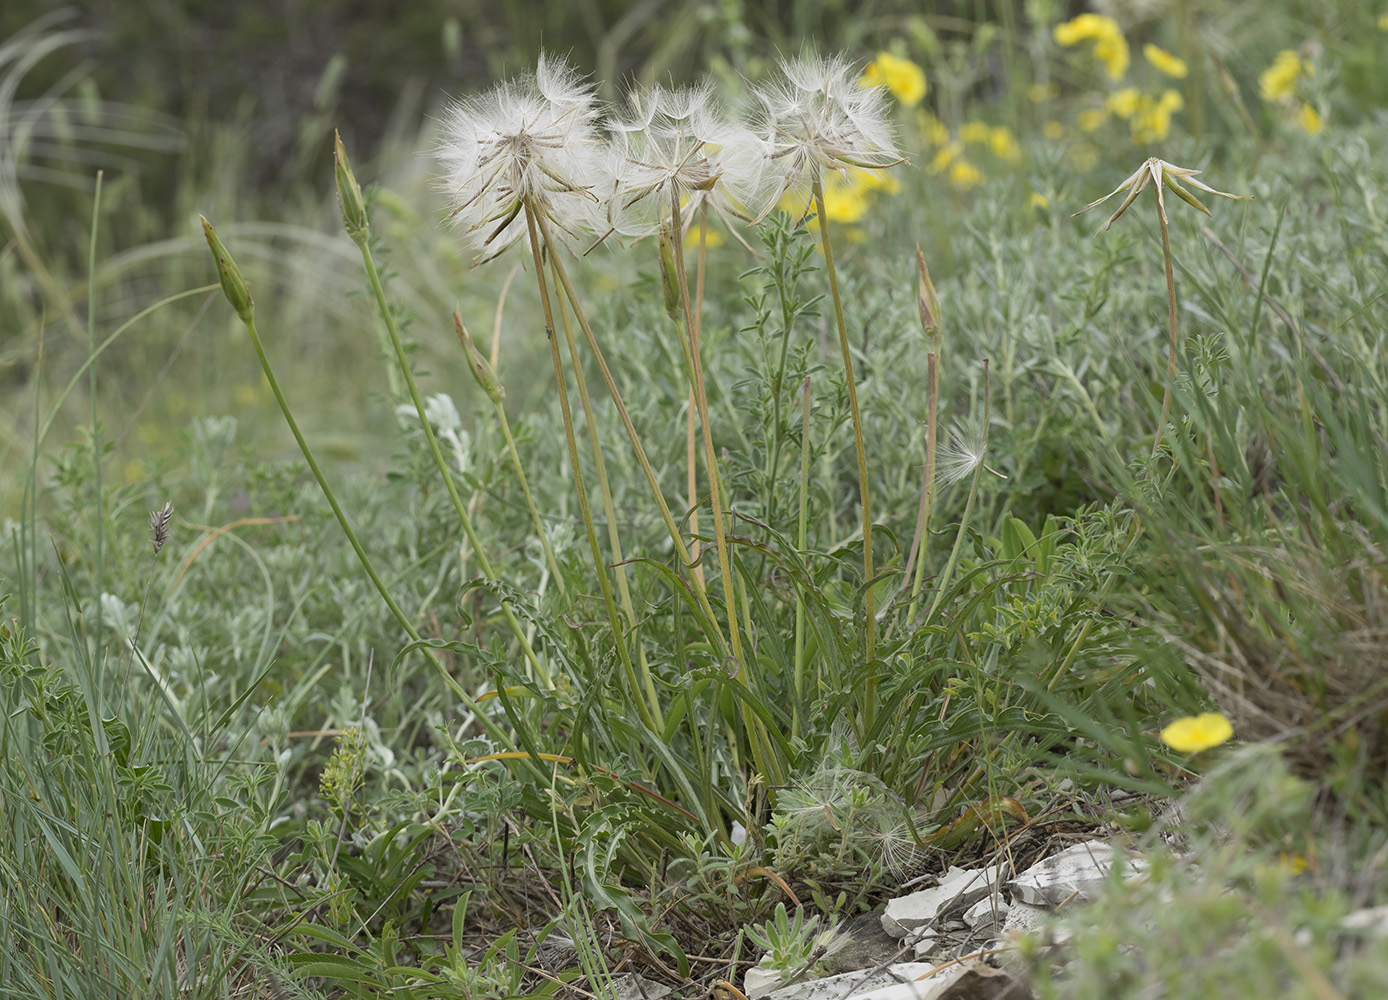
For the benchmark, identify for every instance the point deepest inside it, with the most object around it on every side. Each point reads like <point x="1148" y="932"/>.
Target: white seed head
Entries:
<point x="964" y="453"/>
<point x="528" y="142"/>
<point x="818" y="118"/>
<point x="677" y="141"/>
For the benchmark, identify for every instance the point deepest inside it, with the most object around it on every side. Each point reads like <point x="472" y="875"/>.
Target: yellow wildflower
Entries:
<point x="1124" y="103"/>
<point x="1091" y="119"/>
<point x="974" y="132"/>
<point x="946" y="156"/>
<point x="1053" y="130"/>
<point x="1085" y="28"/>
<point x="712" y="238"/>
<point x="1197" y="732"/>
<point x="902" y="77"/>
<point x="1113" y="53"/>
<point x="1110" y="47"/>
<point x="935" y="131"/>
<point x="1383" y="22"/>
<point x="1039" y="92"/>
<point x="1309" y="119"/>
<point x="1004" y="144"/>
<point x="1278" y="81"/>
<point x="1038" y="201"/>
<point x="843" y="202"/>
<point x="964" y="175"/>
<point x="1152" y="122"/>
<point x="1165" y="61"/>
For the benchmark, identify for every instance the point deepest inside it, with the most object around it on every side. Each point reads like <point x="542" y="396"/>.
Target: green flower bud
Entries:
<point x="233" y="285"/>
<point x="929" y="303"/>
<point x="477" y="363"/>
<point x="349" y="194"/>
<point x="669" y="283"/>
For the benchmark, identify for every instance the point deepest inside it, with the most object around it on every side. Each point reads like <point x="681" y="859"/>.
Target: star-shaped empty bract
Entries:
<point x="1160" y="174"/>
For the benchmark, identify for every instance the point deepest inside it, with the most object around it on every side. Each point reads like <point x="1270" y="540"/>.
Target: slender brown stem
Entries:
<point x="927" y="483"/>
<point x="869" y="604"/>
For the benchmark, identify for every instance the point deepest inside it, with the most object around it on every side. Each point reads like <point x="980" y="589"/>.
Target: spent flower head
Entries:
<point x="1160" y="174"/>
<point x="818" y="118"/>
<point x="527" y="144"/>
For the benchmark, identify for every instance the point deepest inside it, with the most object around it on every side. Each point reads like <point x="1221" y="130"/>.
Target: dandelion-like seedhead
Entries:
<point x="818" y="118"/>
<point x="964" y="453"/>
<point x="526" y="143"/>
<point x="678" y="140"/>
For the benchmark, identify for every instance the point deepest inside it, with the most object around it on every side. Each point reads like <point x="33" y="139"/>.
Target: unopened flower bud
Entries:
<point x="477" y="363"/>
<point x="669" y="283"/>
<point x="929" y="303"/>
<point x="349" y="194"/>
<point x="233" y="285"/>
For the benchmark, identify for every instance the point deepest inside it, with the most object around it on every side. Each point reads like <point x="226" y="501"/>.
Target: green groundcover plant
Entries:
<point x="760" y="561"/>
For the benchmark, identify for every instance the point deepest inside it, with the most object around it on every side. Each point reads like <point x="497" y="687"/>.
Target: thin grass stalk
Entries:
<point x="700" y="595"/>
<point x="801" y="533"/>
<point x="234" y="288"/>
<point x="691" y="448"/>
<point x="1171" y="323"/>
<point x="696" y="370"/>
<point x="488" y="570"/>
<point x="948" y="571"/>
<point x="764" y="756"/>
<point x="927" y="505"/>
<point x="614" y="535"/>
<point x="869" y="603"/>
<point x="96" y="430"/>
<point x="535" y="224"/>
<point x="505" y="424"/>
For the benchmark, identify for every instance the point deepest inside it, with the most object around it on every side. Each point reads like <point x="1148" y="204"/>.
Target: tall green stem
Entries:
<point x="696" y="370"/>
<point x="681" y="550"/>
<point x="488" y="570"/>
<point x="869" y="603"/>
<point x="534" y="223"/>
<point x="801" y="533"/>
<point x="96" y="430"/>
<point x="1171" y="324"/>
<point x="614" y="534"/>
<point x="928" y="484"/>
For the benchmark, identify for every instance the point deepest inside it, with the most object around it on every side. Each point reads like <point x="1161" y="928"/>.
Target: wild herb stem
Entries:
<point x="869" y="602"/>
<point x="464" y="516"/>
<point x="535" y="223"/>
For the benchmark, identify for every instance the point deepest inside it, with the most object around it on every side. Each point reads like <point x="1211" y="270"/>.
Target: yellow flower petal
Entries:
<point x="1197" y="732"/>
<point x="902" y="77"/>
<point x="1165" y="61"/>
<point x="964" y="175"/>
<point x="1278" y="81"/>
<point x="1309" y="119"/>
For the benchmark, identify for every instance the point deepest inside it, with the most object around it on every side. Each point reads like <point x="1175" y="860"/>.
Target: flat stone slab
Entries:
<point x="958" y="888"/>
<point x="1078" y="872"/>
<point x="860" y="985"/>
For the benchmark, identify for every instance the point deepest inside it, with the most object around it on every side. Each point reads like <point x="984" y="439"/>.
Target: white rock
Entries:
<point x="759" y="982"/>
<point x="1374" y="920"/>
<point x="1076" y="873"/>
<point x="636" y="987"/>
<point x="987" y="911"/>
<point x="1023" y="917"/>
<point x="958" y="888"/>
<point x="902" y="974"/>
